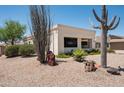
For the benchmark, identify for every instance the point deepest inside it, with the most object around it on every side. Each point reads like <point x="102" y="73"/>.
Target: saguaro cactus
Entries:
<point x="105" y="26"/>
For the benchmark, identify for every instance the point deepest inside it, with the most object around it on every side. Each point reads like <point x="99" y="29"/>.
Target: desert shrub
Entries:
<point x="12" y="51"/>
<point x="62" y="55"/>
<point x="93" y="51"/>
<point x="109" y="50"/>
<point x="70" y="53"/>
<point x="26" y="50"/>
<point x="79" y="54"/>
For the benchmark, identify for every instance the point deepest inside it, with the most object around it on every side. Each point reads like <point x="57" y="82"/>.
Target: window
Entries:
<point x="107" y="44"/>
<point x="84" y="44"/>
<point x="70" y="42"/>
<point x="98" y="45"/>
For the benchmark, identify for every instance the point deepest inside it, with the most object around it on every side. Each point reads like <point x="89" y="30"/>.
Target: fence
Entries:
<point x="2" y="50"/>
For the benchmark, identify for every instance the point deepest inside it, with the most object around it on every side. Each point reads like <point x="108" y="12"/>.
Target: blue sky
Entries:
<point x="74" y="15"/>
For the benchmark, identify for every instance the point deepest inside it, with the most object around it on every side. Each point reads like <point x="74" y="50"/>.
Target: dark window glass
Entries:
<point x="107" y="44"/>
<point x="84" y="44"/>
<point x="98" y="45"/>
<point x="70" y="42"/>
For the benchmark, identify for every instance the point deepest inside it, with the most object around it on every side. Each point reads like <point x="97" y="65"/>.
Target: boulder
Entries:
<point x="113" y="71"/>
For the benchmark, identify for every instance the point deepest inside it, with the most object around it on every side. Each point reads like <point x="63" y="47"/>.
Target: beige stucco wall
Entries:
<point x="29" y="41"/>
<point x="2" y="49"/>
<point x="54" y="41"/>
<point x="68" y="31"/>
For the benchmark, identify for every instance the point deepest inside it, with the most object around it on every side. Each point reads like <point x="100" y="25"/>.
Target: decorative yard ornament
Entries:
<point x="90" y="66"/>
<point x="51" y="58"/>
<point x="105" y="26"/>
<point x="41" y="25"/>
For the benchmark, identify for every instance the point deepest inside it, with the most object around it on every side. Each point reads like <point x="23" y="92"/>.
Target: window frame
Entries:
<point x="70" y="46"/>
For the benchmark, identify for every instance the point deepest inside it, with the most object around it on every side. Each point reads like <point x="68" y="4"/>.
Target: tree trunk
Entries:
<point x="5" y="42"/>
<point x="41" y="51"/>
<point x="12" y="42"/>
<point x="104" y="49"/>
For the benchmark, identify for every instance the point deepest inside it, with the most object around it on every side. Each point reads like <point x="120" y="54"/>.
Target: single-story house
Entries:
<point x="67" y="38"/>
<point x="2" y="47"/>
<point x="116" y="42"/>
<point x="28" y="40"/>
<point x="113" y="41"/>
<point x="98" y="42"/>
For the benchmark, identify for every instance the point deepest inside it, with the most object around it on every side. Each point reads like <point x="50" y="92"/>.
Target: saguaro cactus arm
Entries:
<point x="103" y="12"/>
<point x="106" y="17"/>
<point x="96" y="16"/>
<point x="115" y="26"/>
<point x="96" y="27"/>
<point x="93" y="26"/>
<point x="113" y="21"/>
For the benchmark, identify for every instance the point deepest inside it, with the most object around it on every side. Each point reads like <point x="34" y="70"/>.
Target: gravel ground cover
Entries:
<point x="28" y="72"/>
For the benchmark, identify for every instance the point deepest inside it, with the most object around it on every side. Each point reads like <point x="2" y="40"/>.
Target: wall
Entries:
<point x="117" y="45"/>
<point x="54" y="42"/>
<point x="68" y="31"/>
<point x="29" y="41"/>
<point x="2" y="49"/>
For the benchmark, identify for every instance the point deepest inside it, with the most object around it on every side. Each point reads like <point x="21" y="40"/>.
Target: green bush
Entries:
<point x="26" y="50"/>
<point x="109" y="50"/>
<point x="63" y="56"/>
<point x="93" y="51"/>
<point x="70" y="53"/>
<point x="79" y="54"/>
<point x="12" y="51"/>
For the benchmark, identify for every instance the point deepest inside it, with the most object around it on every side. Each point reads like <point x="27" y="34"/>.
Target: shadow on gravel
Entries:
<point x="60" y="60"/>
<point x="29" y="56"/>
<point x="119" y="68"/>
<point x="115" y="71"/>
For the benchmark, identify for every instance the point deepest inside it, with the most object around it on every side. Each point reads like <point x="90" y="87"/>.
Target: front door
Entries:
<point x="86" y="43"/>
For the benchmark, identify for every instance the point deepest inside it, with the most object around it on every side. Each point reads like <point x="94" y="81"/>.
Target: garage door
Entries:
<point x="117" y="45"/>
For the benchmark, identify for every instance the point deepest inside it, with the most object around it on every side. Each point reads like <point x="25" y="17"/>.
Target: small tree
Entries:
<point x="3" y="35"/>
<point x="41" y="24"/>
<point x="105" y="26"/>
<point x="11" y="32"/>
<point x="14" y="30"/>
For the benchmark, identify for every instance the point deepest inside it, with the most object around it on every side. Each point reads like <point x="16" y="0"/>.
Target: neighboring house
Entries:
<point x="114" y="42"/>
<point x="67" y="38"/>
<point x="98" y="42"/>
<point x="2" y="47"/>
<point x="28" y="40"/>
<point x="19" y="42"/>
